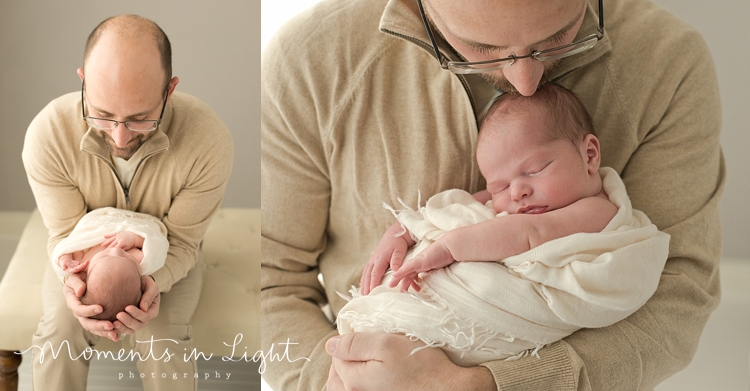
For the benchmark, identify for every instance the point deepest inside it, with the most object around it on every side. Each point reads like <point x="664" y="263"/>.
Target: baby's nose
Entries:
<point x="521" y="191"/>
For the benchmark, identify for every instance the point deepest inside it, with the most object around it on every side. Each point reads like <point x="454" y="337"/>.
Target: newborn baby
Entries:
<point x="110" y="249"/>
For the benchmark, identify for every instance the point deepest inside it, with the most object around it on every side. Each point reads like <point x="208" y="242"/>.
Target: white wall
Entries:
<point x="215" y="55"/>
<point x="724" y="25"/>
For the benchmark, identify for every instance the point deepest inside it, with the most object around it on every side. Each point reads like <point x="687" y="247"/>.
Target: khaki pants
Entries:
<point x="173" y="323"/>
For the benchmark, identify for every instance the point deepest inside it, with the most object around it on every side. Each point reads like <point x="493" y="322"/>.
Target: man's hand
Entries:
<point x="375" y="361"/>
<point x="73" y="289"/>
<point x="134" y="318"/>
<point x="389" y="252"/>
<point x="433" y="257"/>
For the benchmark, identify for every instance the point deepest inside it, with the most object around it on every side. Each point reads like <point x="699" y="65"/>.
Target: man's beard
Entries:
<point x="502" y="84"/>
<point x="130" y="149"/>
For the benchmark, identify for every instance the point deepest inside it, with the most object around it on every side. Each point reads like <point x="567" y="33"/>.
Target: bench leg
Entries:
<point x="9" y="363"/>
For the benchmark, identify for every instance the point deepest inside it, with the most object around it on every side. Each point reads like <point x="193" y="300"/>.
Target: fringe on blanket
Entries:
<point x="466" y="342"/>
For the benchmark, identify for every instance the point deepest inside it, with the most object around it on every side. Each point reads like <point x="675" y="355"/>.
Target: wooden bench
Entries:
<point x="229" y="304"/>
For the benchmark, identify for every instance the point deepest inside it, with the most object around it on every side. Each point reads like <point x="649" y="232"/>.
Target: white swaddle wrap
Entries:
<point x="482" y="311"/>
<point x="92" y="227"/>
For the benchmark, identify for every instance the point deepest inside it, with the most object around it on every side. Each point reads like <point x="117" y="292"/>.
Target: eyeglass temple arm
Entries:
<point x="429" y="32"/>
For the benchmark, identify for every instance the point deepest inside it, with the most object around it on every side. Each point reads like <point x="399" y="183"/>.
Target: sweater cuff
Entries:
<point x="552" y="370"/>
<point x="162" y="279"/>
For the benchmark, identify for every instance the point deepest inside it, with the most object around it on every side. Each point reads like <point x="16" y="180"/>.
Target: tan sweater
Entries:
<point x="181" y="179"/>
<point x="355" y="111"/>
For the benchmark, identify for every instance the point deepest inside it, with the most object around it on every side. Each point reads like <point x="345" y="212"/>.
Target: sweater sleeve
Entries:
<point x="206" y="161"/>
<point x="296" y="199"/>
<point x="676" y="176"/>
<point x="57" y="197"/>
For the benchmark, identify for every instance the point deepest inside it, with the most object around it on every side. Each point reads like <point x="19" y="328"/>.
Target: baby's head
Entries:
<point x="113" y="280"/>
<point x="538" y="153"/>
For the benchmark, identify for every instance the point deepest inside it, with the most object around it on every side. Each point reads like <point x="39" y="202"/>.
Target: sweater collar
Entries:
<point x="401" y="19"/>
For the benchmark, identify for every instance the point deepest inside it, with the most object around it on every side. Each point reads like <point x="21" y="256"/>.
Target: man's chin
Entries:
<point x="123" y="153"/>
<point x="128" y="151"/>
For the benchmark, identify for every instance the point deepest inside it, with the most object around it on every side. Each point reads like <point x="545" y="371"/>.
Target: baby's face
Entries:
<point x="527" y="173"/>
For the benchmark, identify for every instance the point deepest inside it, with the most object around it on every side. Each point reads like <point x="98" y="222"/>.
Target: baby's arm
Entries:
<point x="71" y="262"/>
<point x="389" y="252"/>
<point x="510" y="235"/>
<point x="124" y="240"/>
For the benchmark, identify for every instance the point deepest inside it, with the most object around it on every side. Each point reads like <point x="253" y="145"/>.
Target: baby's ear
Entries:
<point x="591" y="153"/>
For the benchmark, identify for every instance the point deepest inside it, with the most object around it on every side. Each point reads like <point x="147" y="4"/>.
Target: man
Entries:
<point x="127" y="140"/>
<point x="356" y="111"/>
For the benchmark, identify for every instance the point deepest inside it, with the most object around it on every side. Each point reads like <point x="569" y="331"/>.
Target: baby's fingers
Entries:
<point x="376" y="274"/>
<point x="364" y="281"/>
<point x="397" y="259"/>
<point x="109" y="241"/>
<point x="80" y="267"/>
<point x="408" y="281"/>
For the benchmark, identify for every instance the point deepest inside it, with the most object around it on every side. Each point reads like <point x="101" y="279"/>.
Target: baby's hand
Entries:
<point x="435" y="256"/>
<point x="72" y="263"/>
<point x="389" y="252"/>
<point x="123" y="240"/>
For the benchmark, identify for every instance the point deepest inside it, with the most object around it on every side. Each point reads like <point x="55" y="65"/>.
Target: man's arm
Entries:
<point x="202" y="156"/>
<point x="296" y="199"/>
<point x="57" y="197"/>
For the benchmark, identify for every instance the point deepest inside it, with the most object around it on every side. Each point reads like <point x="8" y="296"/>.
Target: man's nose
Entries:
<point x="525" y="75"/>
<point x="121" y="135"/>
<point x="520" y="191"/>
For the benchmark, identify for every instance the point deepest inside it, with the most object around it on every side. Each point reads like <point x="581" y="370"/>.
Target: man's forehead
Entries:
<point x="498" y="25"/>
<point x="113" y="101"/>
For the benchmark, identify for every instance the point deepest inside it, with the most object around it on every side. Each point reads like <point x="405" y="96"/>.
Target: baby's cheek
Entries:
<point x="498" y="204"/>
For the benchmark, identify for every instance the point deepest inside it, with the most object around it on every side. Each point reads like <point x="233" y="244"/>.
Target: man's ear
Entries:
<point x="80" y="73"/>
<point x="591" y="153"/>
<point x="172" y="85"/>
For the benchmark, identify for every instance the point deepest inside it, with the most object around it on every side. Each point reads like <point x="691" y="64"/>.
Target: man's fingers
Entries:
<point x="334" y="381"/>
<point x="120" y="327"/>
<point x="150" y="292"/>
<point x="76" y="284"/>
<point x="356" y="346"/>
<point x="74" y="304"/>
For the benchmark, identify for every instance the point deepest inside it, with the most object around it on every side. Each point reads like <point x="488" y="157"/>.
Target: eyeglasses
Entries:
<point x="468" y="67"/>
<point x="145" y="125"/>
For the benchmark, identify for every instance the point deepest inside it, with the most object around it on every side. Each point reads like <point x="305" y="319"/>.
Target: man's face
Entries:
<point x="124" y="82"/>
<point x="122" y="142"/>
<point x="481" y="30"/>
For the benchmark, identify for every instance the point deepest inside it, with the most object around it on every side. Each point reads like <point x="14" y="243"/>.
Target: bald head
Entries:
<point x="136" y="32"/>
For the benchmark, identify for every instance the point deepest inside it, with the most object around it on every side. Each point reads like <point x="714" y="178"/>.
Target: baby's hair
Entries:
<point x="565" y="114"/>
<point x="113" y="293"/>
